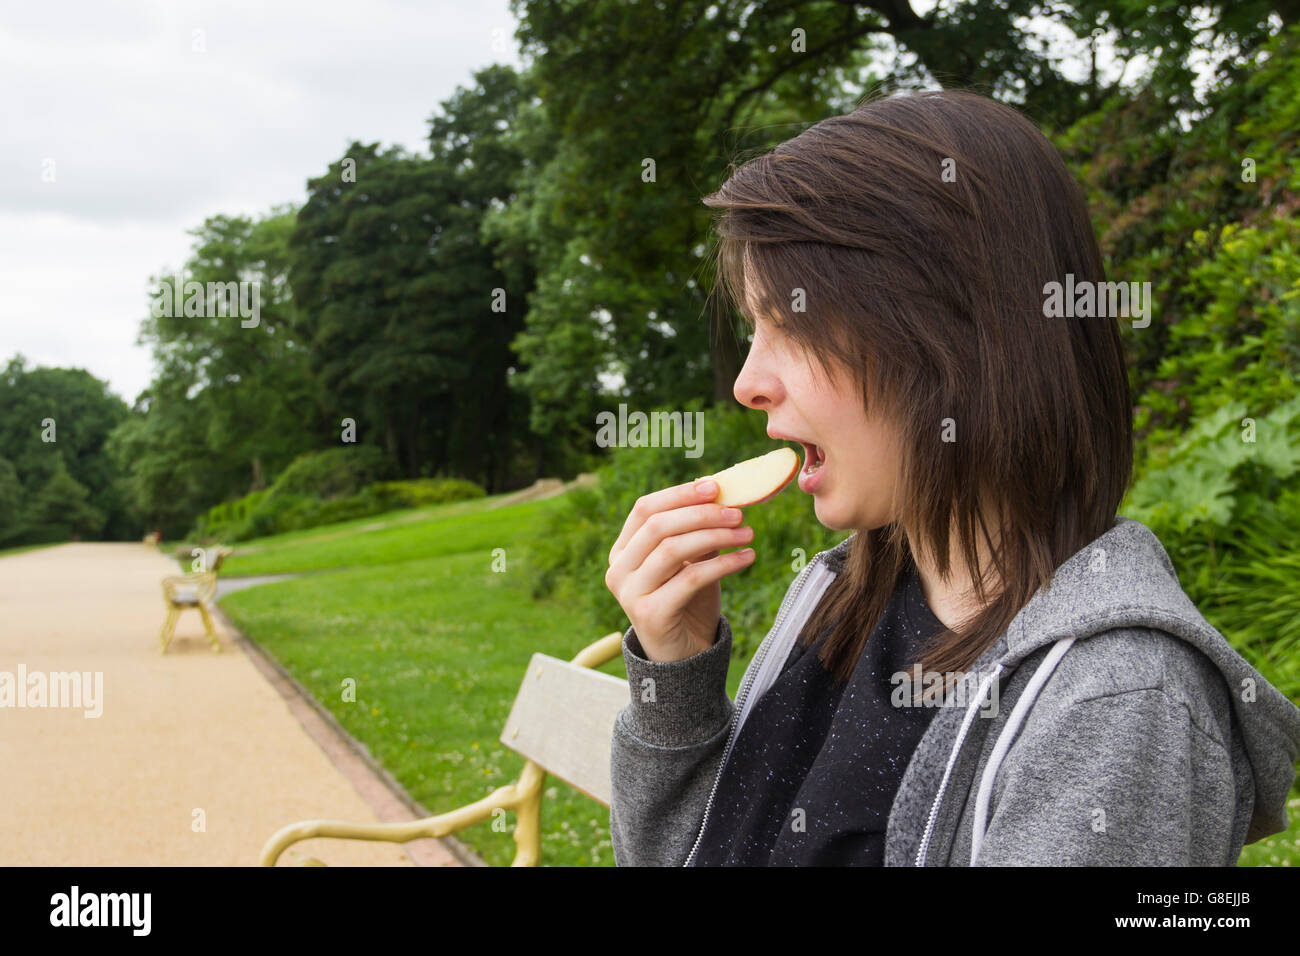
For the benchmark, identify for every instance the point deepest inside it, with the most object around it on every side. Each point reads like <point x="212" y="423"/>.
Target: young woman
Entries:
<point x="992" y="668"/>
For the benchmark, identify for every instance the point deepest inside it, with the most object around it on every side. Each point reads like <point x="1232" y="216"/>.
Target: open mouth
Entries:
<point x="813" y="458"/>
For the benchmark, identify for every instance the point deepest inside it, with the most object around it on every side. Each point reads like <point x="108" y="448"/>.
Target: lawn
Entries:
<point x="437" y="643"/>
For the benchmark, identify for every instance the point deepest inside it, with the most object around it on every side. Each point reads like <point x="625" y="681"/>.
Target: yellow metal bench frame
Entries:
<point x="524" y="796"/>
<point x="182" y="591"/>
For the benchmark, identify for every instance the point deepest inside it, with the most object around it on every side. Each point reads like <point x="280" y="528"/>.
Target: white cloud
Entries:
<point x="148" y="137"/>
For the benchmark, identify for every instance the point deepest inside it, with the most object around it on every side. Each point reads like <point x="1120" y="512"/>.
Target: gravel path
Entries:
<point x="194" y="759"/>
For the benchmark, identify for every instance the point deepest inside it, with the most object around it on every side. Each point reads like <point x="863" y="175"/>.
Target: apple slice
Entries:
<point x="755" y="480"/>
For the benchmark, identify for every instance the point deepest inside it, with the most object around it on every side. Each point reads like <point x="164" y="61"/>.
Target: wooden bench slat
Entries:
<point x="563" y="719"/>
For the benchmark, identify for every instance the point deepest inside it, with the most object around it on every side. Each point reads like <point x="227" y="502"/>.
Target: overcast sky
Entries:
<point x="147" y="127"/>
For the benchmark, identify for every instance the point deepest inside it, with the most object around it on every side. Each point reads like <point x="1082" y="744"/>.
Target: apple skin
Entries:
<point x="769" y="489"/>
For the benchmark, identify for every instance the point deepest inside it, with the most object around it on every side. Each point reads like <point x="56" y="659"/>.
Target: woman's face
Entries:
<point x="855" y="485"/>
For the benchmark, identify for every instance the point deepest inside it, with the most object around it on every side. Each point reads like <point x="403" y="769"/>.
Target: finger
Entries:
<point x="666" y="524"/>
<point x="686" y="583"/>
<point x="676" y="496"/>
<point x="677" y="553"/>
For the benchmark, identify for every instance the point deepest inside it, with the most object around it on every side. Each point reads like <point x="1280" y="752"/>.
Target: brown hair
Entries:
<point x="923" y="229"/>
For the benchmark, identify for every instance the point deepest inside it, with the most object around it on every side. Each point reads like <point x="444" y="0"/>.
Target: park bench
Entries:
<point x="562" y="722"/>
<point x="193" y="590"/>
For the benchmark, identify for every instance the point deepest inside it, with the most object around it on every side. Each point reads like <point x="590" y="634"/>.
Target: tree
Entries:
<point x="62" y="507"/>
<point x="11" y="499"/>
<point x="399" y="293"/>
<point x="53" y="418"/>
<point x="474" y="135"/>
<point x="382" y="348"/>
<point x="232" y="400"/>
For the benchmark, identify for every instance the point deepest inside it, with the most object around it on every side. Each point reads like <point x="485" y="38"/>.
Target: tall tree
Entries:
<point x="58" y="418"/>
<point x="476" y="135"/>
<point x="232" y="392"/>
<point x="384" y="350"/>
<point x="61" y="509"/>
<point x="408" y="308"/>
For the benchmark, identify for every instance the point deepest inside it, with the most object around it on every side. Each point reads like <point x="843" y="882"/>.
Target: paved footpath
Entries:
<point x="179" y="733"/>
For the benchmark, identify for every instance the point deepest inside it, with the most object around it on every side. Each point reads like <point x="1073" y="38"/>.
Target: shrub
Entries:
<point x="228" y="521"/>
<point x="1226" y="505"/>
<point x="424" y="492"/>
<point x="334" y="473"/>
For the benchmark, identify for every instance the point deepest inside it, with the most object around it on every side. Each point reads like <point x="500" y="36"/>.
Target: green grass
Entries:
<point x="1281" y="849"/>
<point x="437" y="644"/>
<point x="405" y="536"/>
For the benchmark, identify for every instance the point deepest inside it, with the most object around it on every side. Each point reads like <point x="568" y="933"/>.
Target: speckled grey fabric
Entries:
<point x="1153" y="742"/>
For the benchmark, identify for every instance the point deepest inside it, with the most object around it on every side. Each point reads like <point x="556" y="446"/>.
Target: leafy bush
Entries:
<point x="1207" y="215"/>
<point x="1226" y="505"/>
<point x="334" y="473"/>
<point x="228" y="520"/>
<point x="425" y="491"/>
<point x="280" y="508"/>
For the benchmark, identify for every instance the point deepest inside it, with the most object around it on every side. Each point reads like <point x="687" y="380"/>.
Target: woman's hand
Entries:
<point x="665" y="567"/>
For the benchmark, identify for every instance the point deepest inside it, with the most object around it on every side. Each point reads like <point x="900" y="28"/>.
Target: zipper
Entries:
<point x="924" y="849"/>
<point x="743" y="691"/>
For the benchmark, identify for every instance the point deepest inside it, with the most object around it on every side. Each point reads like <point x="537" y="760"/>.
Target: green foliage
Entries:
<point x="225" y="521"/>
<point x="83" y="413"/>
<point x="332" y="473"/>
<point x="1246" y="332"/>
<point x="317" y="489"/>
<point x="423" y="492"/>
<point x="62" y="509"/>
<point x="229" y="403"/>
<point x="1207" y="215"/>
<point x="406" y="306"/>
<point x="11" y="499"/>
<point x="1226" y="505"/>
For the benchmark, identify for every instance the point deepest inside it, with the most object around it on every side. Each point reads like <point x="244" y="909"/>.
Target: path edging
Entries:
<point x="263" y="658"/>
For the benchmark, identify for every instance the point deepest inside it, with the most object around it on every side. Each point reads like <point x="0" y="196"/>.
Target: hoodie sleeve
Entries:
<point x="667" y="746"/>
<point x="1124" y="779"/>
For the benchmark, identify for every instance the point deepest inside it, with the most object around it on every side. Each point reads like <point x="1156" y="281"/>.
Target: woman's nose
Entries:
<point x="756" y="384"/>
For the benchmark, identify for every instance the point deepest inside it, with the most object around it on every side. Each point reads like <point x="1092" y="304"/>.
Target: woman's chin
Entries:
<point x="828" y="515"/>
<point x="836" y="518"/>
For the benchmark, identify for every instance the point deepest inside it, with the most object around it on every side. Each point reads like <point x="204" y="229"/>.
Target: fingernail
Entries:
<point x="706" y="487"/>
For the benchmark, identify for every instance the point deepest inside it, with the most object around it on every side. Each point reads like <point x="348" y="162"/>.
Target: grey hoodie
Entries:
<point x="1113" y="726"/>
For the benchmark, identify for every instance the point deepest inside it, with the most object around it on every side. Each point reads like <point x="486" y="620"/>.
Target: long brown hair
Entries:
<point x="923" y="229"/>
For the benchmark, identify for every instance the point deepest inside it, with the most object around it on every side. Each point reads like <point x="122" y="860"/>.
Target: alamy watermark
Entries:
<point x="917" y="688"/>
<point x="657" y="430"/>
<point x="130" y="910"/>
<point x="199" y="300"/>
<point x="72" y="689"/>
<point x="1087" y="299"/>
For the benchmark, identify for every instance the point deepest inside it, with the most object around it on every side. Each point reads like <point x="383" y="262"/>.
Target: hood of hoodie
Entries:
<point x="1124" y="579"/>
<point x="1141" y="589"/>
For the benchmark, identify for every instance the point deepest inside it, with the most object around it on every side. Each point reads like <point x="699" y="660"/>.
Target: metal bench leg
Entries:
<point x="169" y="628"/>
<point x="207" y="625"/>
